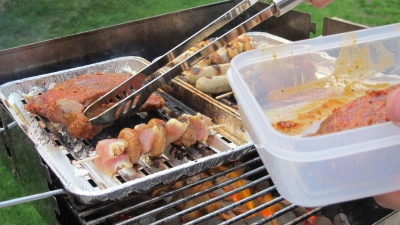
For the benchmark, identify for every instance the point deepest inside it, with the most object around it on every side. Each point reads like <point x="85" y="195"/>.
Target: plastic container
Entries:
<point x="281" y="82"/>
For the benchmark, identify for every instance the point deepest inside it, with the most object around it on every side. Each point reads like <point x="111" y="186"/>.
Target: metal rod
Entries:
<point x="155" y="199"/>
<point x="275" y="215"/>
<point x="198" y="194"/>
<point x="8" y="126"/>
<point x="305" y="216"/>
<point x="233" y="205"/>
<point x="253" y="211"/>
<point x="201" y="205"/>
<point x="31" y="198"/>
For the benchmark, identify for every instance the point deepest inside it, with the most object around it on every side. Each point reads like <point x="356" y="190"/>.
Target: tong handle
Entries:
<point x="283" y="6"/>
<point x="135" y="82"/>
<point x="127" y="106"/>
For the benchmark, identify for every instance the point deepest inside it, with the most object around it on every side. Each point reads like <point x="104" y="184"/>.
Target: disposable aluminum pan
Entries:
<point x="58" y="148"/>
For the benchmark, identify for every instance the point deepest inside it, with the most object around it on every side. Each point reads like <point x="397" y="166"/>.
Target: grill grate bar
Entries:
<point x="305" y="216"/>
<point x="255" y="210"/>
<point x="161" y="197"/>
<point x="198" y="194"/>
<point x="275" y="215"/>
<point x="102" y="207"/>
<point x="186" y="211"/>
<point x="236" y="204"/>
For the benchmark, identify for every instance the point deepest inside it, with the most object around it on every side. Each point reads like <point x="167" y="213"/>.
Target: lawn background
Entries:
<point x="26" y="21"/>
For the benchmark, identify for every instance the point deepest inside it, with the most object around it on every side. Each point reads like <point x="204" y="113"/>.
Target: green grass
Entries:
<point x="26" y="21"/>
<point x="17" y="214"/>
<point x="366" y="12"/>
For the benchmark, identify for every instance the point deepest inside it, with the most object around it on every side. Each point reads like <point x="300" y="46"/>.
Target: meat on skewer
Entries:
<point x="221" y="56"/>
<point x="150" y="139"/>
<point x="112" y="156"/>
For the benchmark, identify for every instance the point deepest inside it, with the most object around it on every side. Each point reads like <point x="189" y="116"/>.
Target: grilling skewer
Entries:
<point x="76" y="162"/>
<point x="145" y="82"/>
<point x="149" y="139"/>
<point x="224" y="95"/>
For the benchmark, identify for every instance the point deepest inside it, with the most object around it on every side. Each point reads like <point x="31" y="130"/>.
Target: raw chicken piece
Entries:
<point x="161" y="138"/>
<point x="112" y="156"/>
<point x="110" y="148"/>
<point x="111" y="166"/>
<point x="146" y="137"/>
<point x="189" y="136"/>
<point x="175" y="129"/>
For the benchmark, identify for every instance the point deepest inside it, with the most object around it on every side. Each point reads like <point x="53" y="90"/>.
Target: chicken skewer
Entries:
<point x="149" y="139"/>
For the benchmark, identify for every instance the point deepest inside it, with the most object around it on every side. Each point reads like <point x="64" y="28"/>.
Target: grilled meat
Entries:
<point x="134" y="148"/>
<point x="66" y="102"/>
<point x="363" y="111"/>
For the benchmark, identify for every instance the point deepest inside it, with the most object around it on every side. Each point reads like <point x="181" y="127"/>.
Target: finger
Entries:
<point x="390" y="200"/>
<point x="319" y="3"/>
<point x="393" y="106"/>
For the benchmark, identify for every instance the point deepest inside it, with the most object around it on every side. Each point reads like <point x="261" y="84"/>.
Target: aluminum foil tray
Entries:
<point x="58" y="148"/>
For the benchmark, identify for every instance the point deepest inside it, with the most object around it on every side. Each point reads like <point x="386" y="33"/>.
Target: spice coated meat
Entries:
<point x="363" y="111"/>
<point x="66" y="102"/>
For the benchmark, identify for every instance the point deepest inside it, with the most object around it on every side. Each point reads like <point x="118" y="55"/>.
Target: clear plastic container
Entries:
<point x="283" y="82"/>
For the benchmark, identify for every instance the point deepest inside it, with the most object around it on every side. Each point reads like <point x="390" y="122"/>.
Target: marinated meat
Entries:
<point x="363" y="111"/>
<point x="66" y="102"/>
<point x="303" y="120"/>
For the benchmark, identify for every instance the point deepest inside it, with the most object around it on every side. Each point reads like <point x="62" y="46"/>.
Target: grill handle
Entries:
<point x="31" y="198"/>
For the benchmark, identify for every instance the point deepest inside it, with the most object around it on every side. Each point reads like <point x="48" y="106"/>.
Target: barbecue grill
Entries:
<point x="154" y="201"/>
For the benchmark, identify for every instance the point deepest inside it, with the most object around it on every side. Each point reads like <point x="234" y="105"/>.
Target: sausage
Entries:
<point x="195" y="73"/>
<point x="213" y="84"/>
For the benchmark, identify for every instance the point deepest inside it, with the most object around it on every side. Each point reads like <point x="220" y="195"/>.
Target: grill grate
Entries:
<point x="160" y="210"/>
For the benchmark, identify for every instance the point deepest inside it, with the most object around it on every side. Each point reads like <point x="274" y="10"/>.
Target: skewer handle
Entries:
<point x="224" y="95"/>
<point x="216" y="126"/>
<point x="31" y="198"/>
<point x="85" y="160"/>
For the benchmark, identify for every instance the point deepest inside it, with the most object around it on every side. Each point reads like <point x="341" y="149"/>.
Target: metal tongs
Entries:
<point x="134" y="92"/>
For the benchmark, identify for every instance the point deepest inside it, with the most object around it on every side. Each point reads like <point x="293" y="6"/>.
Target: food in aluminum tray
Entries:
<point x="223" y="111"/>
<point x="56" y="146"/>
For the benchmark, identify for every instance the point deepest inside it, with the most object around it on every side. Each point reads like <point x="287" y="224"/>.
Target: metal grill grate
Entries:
<point x="137" y="209"/>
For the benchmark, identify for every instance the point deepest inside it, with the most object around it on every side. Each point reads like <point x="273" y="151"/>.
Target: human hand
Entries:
<point x="391" y="200"/>
<point x="393" y="106"/>
<point x="318" y="3"/>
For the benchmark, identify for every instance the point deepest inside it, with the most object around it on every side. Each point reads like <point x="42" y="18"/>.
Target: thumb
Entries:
<point x="393" y="106"/>
<point x="318" y="3"/>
